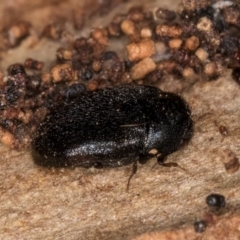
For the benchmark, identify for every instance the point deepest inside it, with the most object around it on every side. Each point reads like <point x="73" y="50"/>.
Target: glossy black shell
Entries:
<point x="112" y="127"/>
<point x="216" y="200"/>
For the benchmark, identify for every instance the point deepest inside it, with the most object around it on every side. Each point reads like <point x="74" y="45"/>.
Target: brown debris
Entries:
<point x="191" y="5"/>
<point x="52" y="32"/>
<point x="128" y="27"/>
<point x="167" y="65"/>
<point x="7" y="138"/>
<point x="62" y="72"/>
<point x="33" y="64"/>
<point x="92" y="86"/>
<point x="154" y="76"/>
<point x="46" y="78"/>
<point x="165" y="14"/>
<point x="78" y="18"/>
<point x="100" y="35"/>
<point x="64" y="54"/>
<point x="146" y="32"/>
<point x="136" y="14"/>
<point x="223" y="130"/>
<point x="114" y="28"/>
<point x="175" y="43"/>
<point x="205" y="25"/>
<point x="201" y="54"/>
<point x="188" y="72"/>
<point x="142" y="68"/>
<point x="232" y="15"/>
<point x="18" y="32"/>
<point x="210" y="69"/>
<point x="137" y="51"/>
<point x="230" y="161"/>
<point x="192" y="43"/>
<point x="96" y="66"/>
<point x="165" y="30"/>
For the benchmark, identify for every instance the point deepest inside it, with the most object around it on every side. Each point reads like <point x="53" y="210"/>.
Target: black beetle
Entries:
<point x="113" y="127"/>
<point x="216" y="200"/>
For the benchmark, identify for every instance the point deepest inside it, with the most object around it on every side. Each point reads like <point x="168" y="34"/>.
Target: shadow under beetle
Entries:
<point x="113" y="127"/>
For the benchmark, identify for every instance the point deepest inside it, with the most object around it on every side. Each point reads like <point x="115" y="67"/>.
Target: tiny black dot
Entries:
<point x="200" y="226"/>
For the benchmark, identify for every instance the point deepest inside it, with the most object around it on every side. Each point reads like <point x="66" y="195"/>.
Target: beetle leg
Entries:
<point x="170" y="164"/>
<point x="134" y="170"/>
<point x="161" y="159"/>
<point x="98" y="165"/>
<point x="143" y="158"/>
